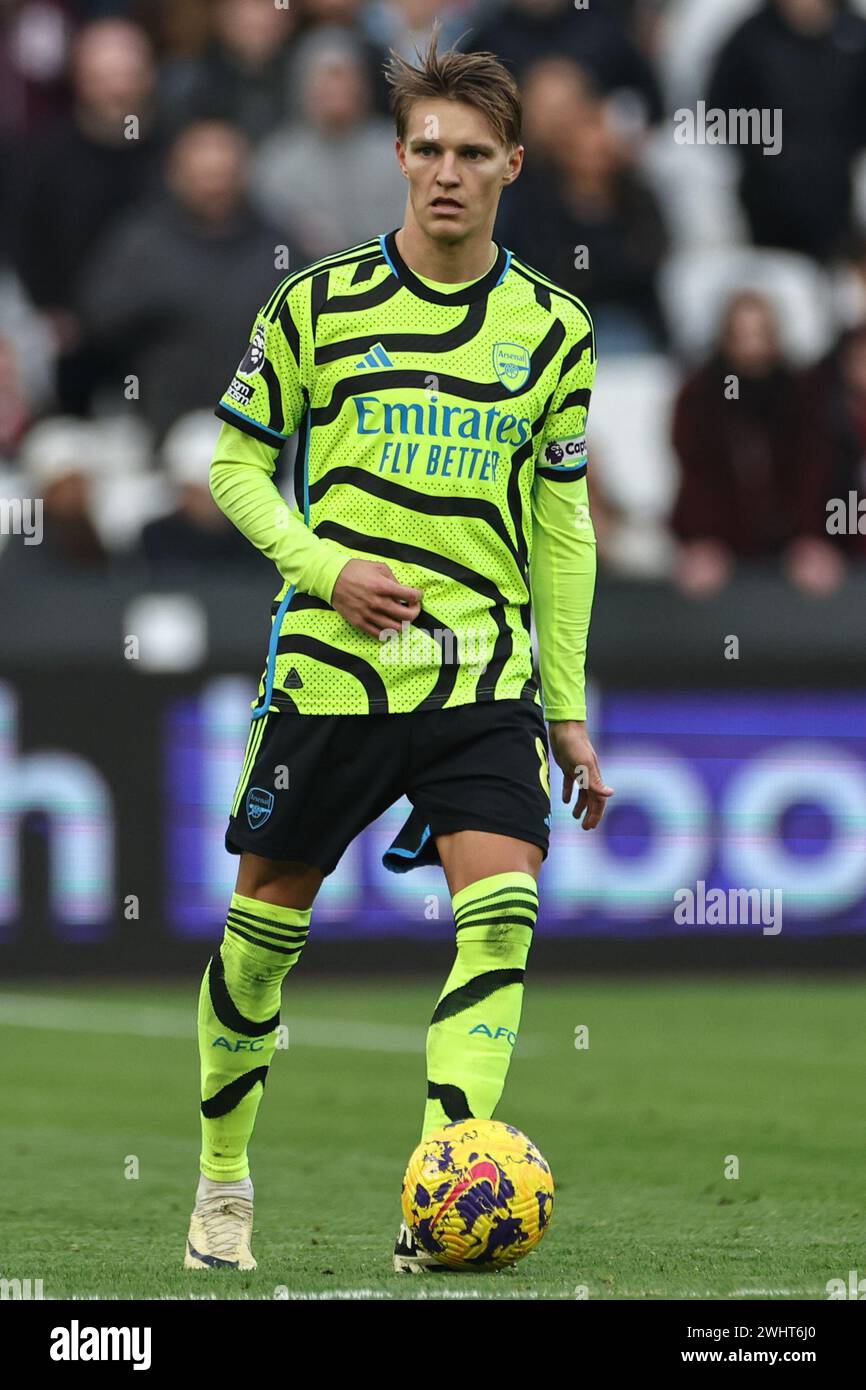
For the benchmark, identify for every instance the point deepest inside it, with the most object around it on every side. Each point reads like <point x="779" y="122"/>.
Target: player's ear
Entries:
<point x="514" y="166"/>
<point x="400" y="150"/>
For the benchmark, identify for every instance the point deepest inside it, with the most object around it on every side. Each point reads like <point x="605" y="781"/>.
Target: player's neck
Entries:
<point x="451" y="264"/>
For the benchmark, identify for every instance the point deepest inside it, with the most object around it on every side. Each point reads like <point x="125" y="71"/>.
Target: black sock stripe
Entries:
<point x="513" y="919"/>
<point x="231" y="1095"/>
<point x="256" y="918"/>
<point x="524" y="893"/>
<point x="478" y="988"/>
<point x="225" y="1009"/>
<point x="287" y="938"/>
<point x="495" y="899"/>
<point x="256" y="941"/>
<point x="452" y="1100"/>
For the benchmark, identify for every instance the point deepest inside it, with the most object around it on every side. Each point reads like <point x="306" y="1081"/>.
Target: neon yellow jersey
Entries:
<point x="428" y="418"/>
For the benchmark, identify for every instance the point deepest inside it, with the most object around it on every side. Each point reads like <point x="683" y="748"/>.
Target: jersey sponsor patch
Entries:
<point x="252" y="360"/>
<point x="565" y="453"/>
<point x="239" y="391"/>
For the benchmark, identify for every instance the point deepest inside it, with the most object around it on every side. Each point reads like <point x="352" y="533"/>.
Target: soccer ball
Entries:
<point x="477" y="1194"/>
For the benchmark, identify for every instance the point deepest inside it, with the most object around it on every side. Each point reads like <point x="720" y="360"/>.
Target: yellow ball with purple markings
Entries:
<point x="477" y="1195"/>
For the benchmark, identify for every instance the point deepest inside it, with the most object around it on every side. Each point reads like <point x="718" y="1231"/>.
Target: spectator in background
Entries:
<point x="241" y="77"/>
<point x="525" y="30"/>
<point x="832" y="422"/>
<point x="34" y="46"/>
<point x="196" y="535"/>
<point x="180" y="28"/>
<point x="168" y="294"/>
<point x="355" y="18"/>
<point x="60" y="457"/>
<point x="806" y="58"/>
<point x="581" y="214"/>
<point x="333" y="174"/>
<point x="558" y="97"/>
<point x="79" y="177"/>
<point x="405" y="25"/>
<point x="736" y="437"/>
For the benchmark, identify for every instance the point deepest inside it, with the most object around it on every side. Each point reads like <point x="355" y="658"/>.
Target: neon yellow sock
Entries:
<point x="238" y="1014"/>
<point x="474" y="1027"/>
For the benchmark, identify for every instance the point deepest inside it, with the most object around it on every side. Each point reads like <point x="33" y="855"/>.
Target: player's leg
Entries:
<point x="291" y="831"/>
<point x="239" y="1003"/>
<point x="239" y="999"/>
<point x="471" y="1037"/>
<point x="482" y="782"/>
<point x="493" y="884"/>
<point x="484" y="792"/>
<point x="238" y="1014"/>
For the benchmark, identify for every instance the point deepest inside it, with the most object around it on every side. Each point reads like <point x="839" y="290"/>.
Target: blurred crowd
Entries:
<point x="164" y="163"/>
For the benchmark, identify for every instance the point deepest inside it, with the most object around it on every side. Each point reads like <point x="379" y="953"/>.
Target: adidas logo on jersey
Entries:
<point x="292" y="681"/>
<point x="376" y="357"/>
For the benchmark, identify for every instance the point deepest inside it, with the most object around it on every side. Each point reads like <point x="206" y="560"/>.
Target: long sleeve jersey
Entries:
<point x="442" y="431"/>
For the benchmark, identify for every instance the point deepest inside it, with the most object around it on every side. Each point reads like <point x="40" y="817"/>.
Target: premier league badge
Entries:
<point x="254" y="356"/>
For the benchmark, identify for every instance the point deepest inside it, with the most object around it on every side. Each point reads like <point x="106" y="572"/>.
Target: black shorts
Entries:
<point x="312" y="782"/>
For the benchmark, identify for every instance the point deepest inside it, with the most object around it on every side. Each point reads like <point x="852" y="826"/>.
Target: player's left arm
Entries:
<point x="562" y="575"/>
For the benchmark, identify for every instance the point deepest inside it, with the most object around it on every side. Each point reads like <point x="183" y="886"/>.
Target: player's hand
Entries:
<point x="574" y="753"/>
<point x="370" y="598"/>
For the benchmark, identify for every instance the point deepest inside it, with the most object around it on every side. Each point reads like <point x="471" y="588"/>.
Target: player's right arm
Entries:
<point x="263" y="406"/>
<point x="241" y="483"/>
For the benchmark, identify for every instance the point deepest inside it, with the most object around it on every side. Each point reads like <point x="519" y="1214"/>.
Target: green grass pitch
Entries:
<point x="638" y="1127"/>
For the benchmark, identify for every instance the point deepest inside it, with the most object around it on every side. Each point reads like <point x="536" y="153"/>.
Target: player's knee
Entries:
<point x="262" y="941"/>
<point x="282" y="882"/>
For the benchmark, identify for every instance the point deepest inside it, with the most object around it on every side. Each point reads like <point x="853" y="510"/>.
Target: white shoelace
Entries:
<point x="221" y="1217"/>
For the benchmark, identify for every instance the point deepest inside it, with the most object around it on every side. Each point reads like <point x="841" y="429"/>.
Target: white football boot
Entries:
<point x="220" y="1230"/>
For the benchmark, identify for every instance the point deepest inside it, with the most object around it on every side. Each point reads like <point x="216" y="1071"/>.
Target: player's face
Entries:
<point x="457" y="167"/>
